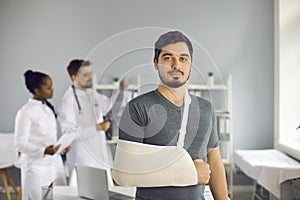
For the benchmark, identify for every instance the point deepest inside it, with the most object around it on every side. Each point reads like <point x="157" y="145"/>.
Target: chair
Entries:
<point x="8" y="157"/>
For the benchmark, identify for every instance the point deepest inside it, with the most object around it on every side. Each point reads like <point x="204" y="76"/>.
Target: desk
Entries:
<point x="70" y="193"/>
<point x="65" y="193"/>
<point x="268" y="167"/>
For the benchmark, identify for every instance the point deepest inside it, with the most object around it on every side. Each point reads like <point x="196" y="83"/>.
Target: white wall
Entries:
<point x="238" y="34"/>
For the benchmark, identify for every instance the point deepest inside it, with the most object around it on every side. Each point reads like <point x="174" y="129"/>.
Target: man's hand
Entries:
<point x="103" y="126"/>
<point x="203" y="171"/>
<point x="51" y="150"/>
<point x="66" y="150"/>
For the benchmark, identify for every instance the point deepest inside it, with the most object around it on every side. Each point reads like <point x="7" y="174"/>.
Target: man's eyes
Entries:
<point x="167" y="58"/>
<point x="182" y="59"/>
<point x="87" y="74"/>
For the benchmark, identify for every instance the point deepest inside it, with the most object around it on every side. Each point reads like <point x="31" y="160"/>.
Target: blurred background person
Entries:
<point x="35" y="135"/>
<point x="81" y="112"/>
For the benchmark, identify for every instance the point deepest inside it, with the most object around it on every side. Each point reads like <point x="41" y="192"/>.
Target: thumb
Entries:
<point x="55" y="149"/>
<point x="198" y="160"/>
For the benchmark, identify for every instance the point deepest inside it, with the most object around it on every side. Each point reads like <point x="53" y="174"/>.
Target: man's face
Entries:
<point x="84" y="77"/>
<point x="174" y="64"/>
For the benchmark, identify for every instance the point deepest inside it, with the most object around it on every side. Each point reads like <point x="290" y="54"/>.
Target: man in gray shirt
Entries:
<point x="155" y="118"/>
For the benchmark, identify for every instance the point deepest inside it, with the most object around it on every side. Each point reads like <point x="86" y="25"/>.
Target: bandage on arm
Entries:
<point x="144" y="165"/>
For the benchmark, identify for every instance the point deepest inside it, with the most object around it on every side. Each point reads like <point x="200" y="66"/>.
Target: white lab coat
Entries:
<point x="89" y="148"/>
<point x="35" y="129"/>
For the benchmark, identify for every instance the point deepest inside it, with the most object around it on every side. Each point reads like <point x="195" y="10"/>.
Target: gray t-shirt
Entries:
<point x="152" y="119"/>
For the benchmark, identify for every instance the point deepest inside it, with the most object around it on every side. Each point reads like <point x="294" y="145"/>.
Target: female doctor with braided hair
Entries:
<point x="35" y="135"/>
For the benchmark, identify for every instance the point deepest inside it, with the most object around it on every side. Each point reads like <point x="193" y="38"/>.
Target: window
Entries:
<point x="287" y="76"/>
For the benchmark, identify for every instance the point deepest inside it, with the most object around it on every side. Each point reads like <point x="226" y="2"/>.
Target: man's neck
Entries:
<point x="174" y="95"/>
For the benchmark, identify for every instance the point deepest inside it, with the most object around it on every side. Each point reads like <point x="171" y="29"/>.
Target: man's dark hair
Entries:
<point x="171" y="38"/>
<point x="74" y="66"/>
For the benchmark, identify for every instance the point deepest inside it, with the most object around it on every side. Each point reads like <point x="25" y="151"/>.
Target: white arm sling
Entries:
<point x="144" y="165"/>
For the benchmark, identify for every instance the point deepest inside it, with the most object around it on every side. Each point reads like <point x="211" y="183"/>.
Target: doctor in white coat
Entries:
<point x="35" y="135"/>
<point x="80" y="112"/>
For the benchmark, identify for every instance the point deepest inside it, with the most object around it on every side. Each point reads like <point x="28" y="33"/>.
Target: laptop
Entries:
<point x="92" y="184"/>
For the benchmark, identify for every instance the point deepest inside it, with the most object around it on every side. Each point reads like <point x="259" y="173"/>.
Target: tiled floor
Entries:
<point x="3" y="196"/>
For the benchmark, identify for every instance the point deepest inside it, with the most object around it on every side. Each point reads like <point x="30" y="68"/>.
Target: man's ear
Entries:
<point x="155" y="63"/>
<point x="73" y="77"/>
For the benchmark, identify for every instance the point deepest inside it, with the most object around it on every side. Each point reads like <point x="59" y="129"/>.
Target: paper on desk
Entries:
<point x="65" y="140"/>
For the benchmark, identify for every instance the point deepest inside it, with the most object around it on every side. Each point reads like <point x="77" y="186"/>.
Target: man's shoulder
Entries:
<point x="201" y="101"/>
<point x="142" y="99"/>
<point x="67" y="98"/>
<point x="68" y="94"/>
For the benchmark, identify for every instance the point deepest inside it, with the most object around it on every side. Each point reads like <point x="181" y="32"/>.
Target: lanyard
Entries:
<point x="182" y="131"/>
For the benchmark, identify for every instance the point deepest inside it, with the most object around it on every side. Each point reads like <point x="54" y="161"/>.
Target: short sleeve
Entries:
<point x="213" y="141"/>
<point x="132" y="123"/>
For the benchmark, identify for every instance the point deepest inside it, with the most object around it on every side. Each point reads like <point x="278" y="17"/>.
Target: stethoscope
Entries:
<point x="76" y="98"/>
<point x="77" y="101"/>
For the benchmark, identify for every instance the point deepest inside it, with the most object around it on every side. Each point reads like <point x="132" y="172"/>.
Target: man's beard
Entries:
<point x="87" y="86"/>
<point x="174" y="84"/>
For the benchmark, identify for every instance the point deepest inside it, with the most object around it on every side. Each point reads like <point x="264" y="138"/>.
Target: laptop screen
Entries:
<point x="92" y="183"/>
